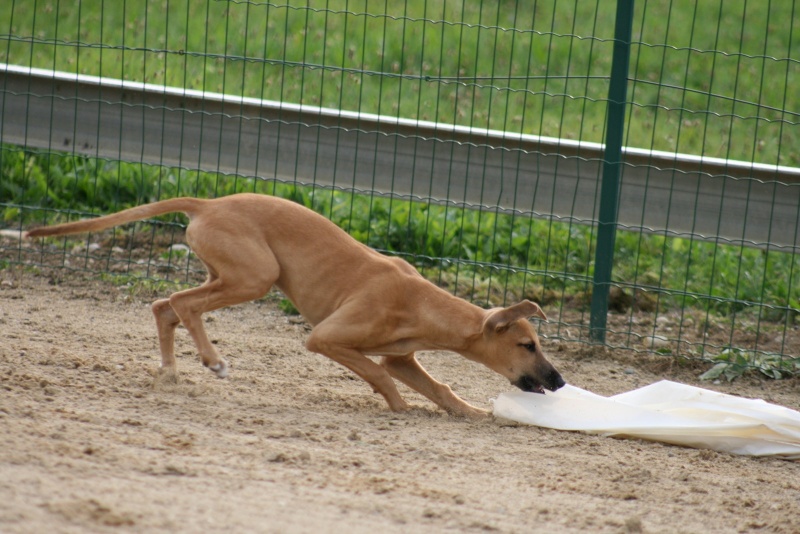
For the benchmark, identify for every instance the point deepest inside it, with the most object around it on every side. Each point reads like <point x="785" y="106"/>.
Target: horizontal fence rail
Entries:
<point x="677" y="194"/>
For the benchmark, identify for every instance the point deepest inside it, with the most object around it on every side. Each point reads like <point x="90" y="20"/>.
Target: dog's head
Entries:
<point x="511" y="348"/>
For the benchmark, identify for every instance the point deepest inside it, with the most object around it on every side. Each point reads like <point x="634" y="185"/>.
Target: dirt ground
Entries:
<point x="290" y="442"/>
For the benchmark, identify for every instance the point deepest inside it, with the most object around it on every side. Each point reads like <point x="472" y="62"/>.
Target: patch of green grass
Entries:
<point x="136" y="286"/>
<point x="287" y="307"/>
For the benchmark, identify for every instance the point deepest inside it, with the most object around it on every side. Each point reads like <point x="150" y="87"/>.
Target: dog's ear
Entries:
<point x="499" y="320"/>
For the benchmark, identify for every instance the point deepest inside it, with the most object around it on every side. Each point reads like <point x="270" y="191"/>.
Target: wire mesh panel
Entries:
<point x="715" y="80"/>
<point x="466" y="137"/>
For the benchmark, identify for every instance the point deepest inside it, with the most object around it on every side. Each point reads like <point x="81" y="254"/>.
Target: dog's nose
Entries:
<point x="554" y="380"/>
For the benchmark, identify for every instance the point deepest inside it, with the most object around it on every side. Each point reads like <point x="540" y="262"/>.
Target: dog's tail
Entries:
<point x="185" y="205"/>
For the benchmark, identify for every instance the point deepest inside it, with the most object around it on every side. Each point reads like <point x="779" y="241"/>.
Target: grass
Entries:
<point x="722" y="90"/>
<point x="402" y="59"/>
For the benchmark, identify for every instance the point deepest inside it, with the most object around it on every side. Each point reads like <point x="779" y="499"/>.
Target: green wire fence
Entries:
<point x="634" y="167"/>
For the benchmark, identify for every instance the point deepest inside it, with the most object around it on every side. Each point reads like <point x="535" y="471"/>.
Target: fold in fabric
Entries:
<point x="666" y="411"/>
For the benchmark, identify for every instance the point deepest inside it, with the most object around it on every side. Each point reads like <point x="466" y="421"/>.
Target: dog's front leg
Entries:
<point x="408" y="370"/>
<point x="375" y="375"/>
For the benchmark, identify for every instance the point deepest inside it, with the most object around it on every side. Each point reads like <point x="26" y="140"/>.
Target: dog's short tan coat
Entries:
<point x="359" y="302"/>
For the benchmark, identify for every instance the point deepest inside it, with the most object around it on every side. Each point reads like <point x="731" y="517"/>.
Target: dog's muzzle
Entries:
<point x="552" y="382"/>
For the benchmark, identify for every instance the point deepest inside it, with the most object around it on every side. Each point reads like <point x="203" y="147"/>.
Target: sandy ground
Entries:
<point x="291" y="442"/>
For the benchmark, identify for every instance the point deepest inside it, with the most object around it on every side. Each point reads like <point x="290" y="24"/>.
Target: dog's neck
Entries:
<point x="463" y="327"/>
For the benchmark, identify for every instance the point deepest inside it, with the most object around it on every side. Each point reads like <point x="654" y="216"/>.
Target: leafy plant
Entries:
<point x="733" y="363"/>
<point x="511" y="251"/>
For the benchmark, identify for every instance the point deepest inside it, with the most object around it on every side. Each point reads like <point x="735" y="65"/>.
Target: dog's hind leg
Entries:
<point x="190" y="305"/>
<point x="166" y="322"/>
<point x="408" y="370"/>
<point x="232" y="280"/>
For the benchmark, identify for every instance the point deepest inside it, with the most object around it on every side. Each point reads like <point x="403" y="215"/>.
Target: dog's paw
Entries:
<point x="476" y="414"/>
<point x="221" y="369"/>
<point x="166" y="376"/>
<point x="483" y="415"/>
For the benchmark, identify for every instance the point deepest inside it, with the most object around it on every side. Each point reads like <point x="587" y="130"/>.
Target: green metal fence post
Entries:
<point x="609" y="192"/>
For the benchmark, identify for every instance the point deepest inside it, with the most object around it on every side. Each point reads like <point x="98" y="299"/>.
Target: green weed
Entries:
<point x="733" y="363"/>
<point x="287" y="307"/>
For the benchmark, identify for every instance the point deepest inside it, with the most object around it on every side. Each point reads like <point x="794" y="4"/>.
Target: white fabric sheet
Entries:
<point x="665" y="411"/>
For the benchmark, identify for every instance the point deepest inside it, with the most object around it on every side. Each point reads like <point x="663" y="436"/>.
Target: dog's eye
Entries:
<point x="530" y="347"/>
